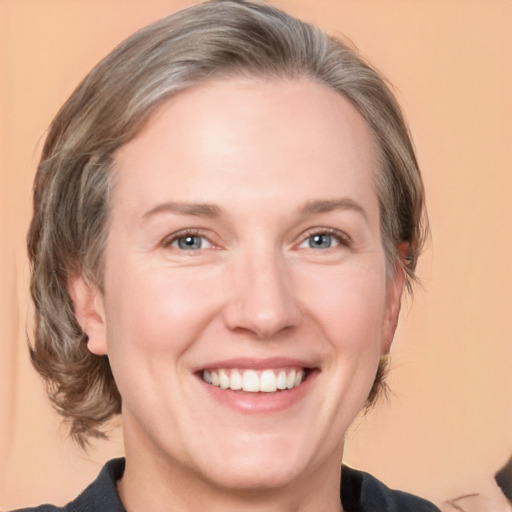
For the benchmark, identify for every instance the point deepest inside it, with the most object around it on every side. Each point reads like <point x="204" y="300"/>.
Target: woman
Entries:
<point x="226" y="212"/>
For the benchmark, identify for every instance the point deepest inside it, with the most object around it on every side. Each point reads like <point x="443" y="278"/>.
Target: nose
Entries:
<point x="262" y="299"/>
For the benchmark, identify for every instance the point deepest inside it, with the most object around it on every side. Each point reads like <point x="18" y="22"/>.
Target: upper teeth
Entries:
<point x="265" y="381"/>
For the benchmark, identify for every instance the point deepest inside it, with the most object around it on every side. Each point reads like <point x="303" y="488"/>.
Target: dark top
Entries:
<point x="360" y="492"/>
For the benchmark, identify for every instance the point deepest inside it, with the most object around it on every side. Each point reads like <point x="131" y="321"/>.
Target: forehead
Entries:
<point x="259" y="139"/>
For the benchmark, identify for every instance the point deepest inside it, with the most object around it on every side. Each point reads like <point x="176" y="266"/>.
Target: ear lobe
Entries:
<point x="90" y="312"/>
<point x="395" y="288"/>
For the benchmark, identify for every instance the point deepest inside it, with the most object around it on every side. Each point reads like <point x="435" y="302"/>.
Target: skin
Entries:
<point x="271" y="156"/>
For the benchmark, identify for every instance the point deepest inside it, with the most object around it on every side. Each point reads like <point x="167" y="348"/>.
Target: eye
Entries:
<point x="322" y="240"/>
<point x="188" y="242"/>
<point x="319" y="241"/>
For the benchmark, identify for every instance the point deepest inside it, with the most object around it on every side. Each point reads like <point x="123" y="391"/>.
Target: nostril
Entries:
<point x="264" y="319"/>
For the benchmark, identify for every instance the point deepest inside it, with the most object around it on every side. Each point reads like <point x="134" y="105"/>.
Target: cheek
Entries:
<point x="349" y="303"/>
<point x="156" y="309"/>
<point x="153" y="318"/>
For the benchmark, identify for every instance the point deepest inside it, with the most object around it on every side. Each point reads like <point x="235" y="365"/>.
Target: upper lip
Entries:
<point x="248" y="363"/>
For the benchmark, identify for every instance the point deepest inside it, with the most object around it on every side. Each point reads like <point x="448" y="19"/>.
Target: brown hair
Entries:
<point x="220" y="38"/>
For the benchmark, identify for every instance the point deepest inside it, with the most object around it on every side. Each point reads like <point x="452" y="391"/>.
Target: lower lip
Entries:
<point x="260" y="403"/>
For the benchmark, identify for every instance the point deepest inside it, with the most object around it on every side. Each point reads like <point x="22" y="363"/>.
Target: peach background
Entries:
<point x="448" y="426"/>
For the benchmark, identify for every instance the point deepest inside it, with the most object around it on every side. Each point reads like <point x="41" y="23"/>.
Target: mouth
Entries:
<point x="269" y="380"/>
<point x="258" y="386"/>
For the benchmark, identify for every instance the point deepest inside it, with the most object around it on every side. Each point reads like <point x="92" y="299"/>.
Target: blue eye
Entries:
<point x="320" y="241"/>
<point x="191" y="243"/>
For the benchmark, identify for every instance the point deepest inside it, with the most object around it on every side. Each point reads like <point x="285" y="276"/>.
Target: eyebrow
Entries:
<point x="194" y="209"/>
<point x="211" y="210"/>
<point x="329" y="205"/>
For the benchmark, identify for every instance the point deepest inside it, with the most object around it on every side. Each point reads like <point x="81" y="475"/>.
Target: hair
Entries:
<point x="74" y="180"/>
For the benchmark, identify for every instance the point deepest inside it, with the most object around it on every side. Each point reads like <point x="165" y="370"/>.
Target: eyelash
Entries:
<point x="341" y="238"/>
<point x="167" y="242"/>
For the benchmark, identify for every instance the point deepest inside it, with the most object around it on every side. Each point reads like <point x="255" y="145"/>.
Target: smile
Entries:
<point x="252" y="381"/>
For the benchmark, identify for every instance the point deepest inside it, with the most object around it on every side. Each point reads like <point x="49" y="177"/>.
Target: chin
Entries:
<point x="249" y="478"/>
<point x="265" y="466"/>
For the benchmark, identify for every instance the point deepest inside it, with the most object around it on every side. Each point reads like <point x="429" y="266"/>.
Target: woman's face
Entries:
<point x="244" y="250"/>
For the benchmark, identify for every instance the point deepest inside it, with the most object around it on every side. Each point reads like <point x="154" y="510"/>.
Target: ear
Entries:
<point x="90" y="312"/>
<point x="395" y="288"/>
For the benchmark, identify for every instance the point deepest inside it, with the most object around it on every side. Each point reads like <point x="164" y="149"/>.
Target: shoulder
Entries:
<point x="100" y="495"/>
<point x="41" y="508"/>
<point x="361" y="492"/>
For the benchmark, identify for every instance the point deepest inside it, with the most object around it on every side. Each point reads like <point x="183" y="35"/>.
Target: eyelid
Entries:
<point x="170" y="239"/>
<point x="340" y="236"/>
